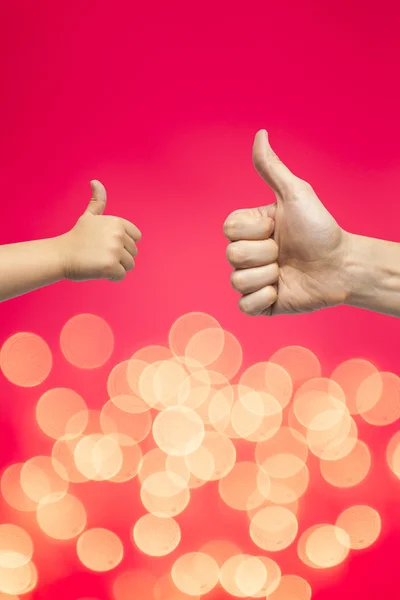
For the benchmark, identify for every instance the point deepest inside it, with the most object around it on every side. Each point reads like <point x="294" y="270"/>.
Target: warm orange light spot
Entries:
<point x="186" y="327"/>
<point x="284" y="490"/>
<point x="378" y="399"/>
<point x="139" y="580"/>
<point x="291" y="587"/>
<point x="270" y="378"/>
<point x="131" y="461"/>
<point x="220" y="550"/>
<point x="283" y="455"/>
<point x="318" y="398"/>
<point x="87" y="341"/>
<point x="228" y="573"/>
<point x="219" y="410"/>
<point x="196" y="390"/>
<point x="251" y="576"/>
<point x="165" y="494"/>
<point x="336" y="442"/>
<point x="9" y="597"/>
<point x="362" y="524"/>
<point x="98" y="457"/>
<point x="39" y="478"/>
<point x="156" y="536"/>
<point x="231" y="358"/>
<point x="25" y="359"/>
<point x="273" y="577"/>
<point x="195" y="573"/>
<point x="350" y="375"/>
<point x="273" y="528"/>
<point x="16" y="546"/>
<point x="117" y="382"/>
<point x="130" y="403"/>
<point x="255" y="416"/>
<point x="300" y="363"/>
<point x="153" y="461"/>
<point x="61" y="518"/>
<point x="240" y="489"/>
<point x="214" y="459"/>
<point x="55" y="410"/>
<point x="393" y="454"/>
<point x="63" y="457"/>
<point x="18" y="580"/>
<point x="99" y="549"/>
<point x="350" y="470"/>
<point x="206" y="346"/>
<point x="131" y="427"/>
<point x="327" y="546"/>
<point x="178" y="431"/>
<point x="12" y="490"/>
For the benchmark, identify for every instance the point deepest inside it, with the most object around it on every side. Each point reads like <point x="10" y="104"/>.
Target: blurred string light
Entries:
<point x="175" y="419"/>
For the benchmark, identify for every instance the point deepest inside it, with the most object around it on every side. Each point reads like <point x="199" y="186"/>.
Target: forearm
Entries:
<point x="27" y="266"/>
<point x="372" y="273"/>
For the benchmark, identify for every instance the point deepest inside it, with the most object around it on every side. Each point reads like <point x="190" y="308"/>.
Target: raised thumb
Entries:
<point x="268" y="165"/>
<point x="98" y="201"/>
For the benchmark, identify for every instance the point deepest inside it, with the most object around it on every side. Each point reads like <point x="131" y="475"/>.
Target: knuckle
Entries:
<point x="236" y="253"/>
<point x="245" y="306"/>
<point x="239" y="281"/>
<point x="230" y="227"/>
<point x="274" y="249"/>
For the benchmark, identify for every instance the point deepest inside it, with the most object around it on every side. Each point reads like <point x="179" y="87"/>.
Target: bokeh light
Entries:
<point x="16" y="546"/>
<point x="362" y="524"/>
<point x="87" y="341"/>
<point x="61" y="518"/>
<point x="195" y="573"/>
<point x="26" y="359"/>
<point x="156" y="536"/>
<point x="99" y="549"/>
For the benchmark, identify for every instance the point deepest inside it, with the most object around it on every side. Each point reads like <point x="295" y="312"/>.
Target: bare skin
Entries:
<point x="292" y="256"/>
<point x="97" y="247"/>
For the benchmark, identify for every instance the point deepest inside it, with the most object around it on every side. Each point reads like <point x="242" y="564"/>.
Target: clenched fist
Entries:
<point x="288" y="256"/>
<point x="99" y="246"/>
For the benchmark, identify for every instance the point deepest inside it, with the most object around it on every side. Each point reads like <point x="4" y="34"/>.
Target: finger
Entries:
<point x="246" y="281"/>
<point x="126" y="260"/>
<point x="132" y="230"/>
<point x="244" y="254"/>
<point x="268" y="165"/>
<point x="118" y="273"/>
<point x="98" y="201"/>
<point x="258" y="302"/>
<point x="130" y="245"/>
<point x="249" y="225"/>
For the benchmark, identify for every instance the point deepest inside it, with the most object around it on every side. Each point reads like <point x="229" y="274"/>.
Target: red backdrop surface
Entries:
<point x="160" y="101"/>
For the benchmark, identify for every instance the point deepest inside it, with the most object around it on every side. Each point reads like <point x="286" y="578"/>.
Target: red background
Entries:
<point x="160" y="101"/>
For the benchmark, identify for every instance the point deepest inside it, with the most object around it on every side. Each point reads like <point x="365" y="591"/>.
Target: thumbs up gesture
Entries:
<point x="288" y="256"/>
<point x="99" y="246"/>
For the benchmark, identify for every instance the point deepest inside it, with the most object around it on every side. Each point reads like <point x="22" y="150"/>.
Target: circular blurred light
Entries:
<point x="16" y="546"/>
<point x="350" y="470"/>
<point x="99" y="549"/>
<point x="273" y="528"/>
<point x="87" y="341"/>
<point x="378" y="399"/>
<point x="55" y="410"/>
<point x="300" y="363"/>
<point x="164" y="494"/>
<point x="350" y="374"/>
<point x="195" y="573"/>
<point x="362" y="524"/>
<point x="25" y="359"/>
<point x="61" y="518"/>
<point x="178" y="431"/>
<point x="156" y="536"/>
<point x="270" y="378"/>
<point x="39" y="478"/>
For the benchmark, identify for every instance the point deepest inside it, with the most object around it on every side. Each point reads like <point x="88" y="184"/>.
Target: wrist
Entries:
<point x="371" y="272"/>
<point x="58" y="251"/>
